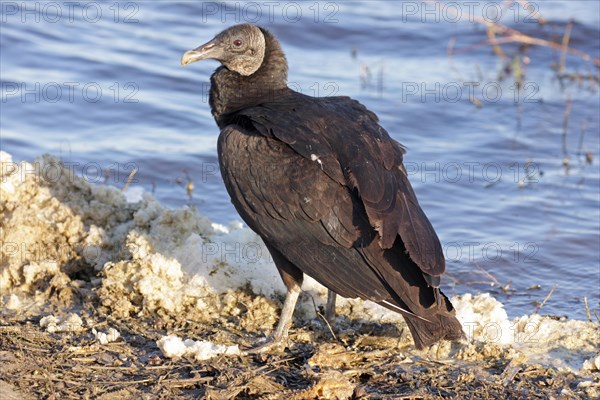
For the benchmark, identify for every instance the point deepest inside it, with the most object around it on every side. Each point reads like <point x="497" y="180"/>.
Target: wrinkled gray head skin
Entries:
<point x="240" y="48"/>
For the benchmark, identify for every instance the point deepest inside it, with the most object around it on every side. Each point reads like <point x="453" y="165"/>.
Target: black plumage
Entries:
<point x="324" y="186"/>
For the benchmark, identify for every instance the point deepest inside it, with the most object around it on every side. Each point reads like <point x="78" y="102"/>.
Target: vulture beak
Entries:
<point x="207" y="50"/>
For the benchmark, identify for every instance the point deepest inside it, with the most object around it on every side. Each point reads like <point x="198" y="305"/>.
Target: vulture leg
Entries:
<point x="330" y="306"/>
<point x="292" y="278"/>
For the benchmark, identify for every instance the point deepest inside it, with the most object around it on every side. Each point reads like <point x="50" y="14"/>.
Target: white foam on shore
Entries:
<point x="173" y="346"/>
<point x="72" y="323"/>
<point x="106" y="337"/>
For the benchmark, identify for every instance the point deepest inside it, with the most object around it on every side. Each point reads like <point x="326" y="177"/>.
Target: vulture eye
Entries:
<point x="237" y="42"/>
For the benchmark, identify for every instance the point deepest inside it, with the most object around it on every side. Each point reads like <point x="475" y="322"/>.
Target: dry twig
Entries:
<point x="495" y="281"/>
<point x="537" y="310"/>
<point x="587" y="309"/>
<point x="129" y="180"/>
<point x="565" y="128"/>
<point x="565" y="46"/>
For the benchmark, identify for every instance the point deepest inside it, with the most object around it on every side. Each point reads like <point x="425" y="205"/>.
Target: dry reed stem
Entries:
<point x="587" y="309"/>
<point x="565" y="126"/>
<point x="495" y="281"/>
<point x="129" y="180"/>
<point x="491" y="34"/>
<point x="537" y="310"/>
<point x="565" y="46"/>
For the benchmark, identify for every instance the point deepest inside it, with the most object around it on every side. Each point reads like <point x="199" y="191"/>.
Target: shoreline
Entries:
<point x="84" y="254"/>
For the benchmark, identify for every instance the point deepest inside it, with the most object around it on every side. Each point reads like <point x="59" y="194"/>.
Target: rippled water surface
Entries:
<point x="99" y="84"/>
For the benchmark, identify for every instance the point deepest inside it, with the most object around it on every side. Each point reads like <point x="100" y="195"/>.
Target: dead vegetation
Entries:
<point x="369" y="361"/>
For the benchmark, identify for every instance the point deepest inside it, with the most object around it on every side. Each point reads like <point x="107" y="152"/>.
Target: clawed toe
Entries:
<point x="270" y="343"/>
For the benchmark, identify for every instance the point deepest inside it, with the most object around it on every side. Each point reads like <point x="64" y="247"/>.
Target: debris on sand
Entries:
<point x="592" y="365"/>
<point x="72" y="323"/>
<point x="173" y="346"/>
<point x="106" y="337"/>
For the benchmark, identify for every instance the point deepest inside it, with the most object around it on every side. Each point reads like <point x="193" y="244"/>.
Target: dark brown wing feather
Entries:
<point x="352" y="149"/>
<point x="317" y="228"/>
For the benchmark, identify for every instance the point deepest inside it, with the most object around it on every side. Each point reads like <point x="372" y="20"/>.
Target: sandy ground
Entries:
<point x="92" y="285"/>
<point x="366" y="361"/>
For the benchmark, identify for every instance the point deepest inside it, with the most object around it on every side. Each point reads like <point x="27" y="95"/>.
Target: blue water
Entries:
<point x="99" y="84"/>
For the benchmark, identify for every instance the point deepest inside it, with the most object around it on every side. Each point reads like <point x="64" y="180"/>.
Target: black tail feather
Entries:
<point x="432" y="324"/>
<point x="427" y="333"/>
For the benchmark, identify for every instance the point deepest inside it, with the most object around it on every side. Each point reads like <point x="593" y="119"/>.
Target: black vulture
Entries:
<point x="324" y="186"/>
